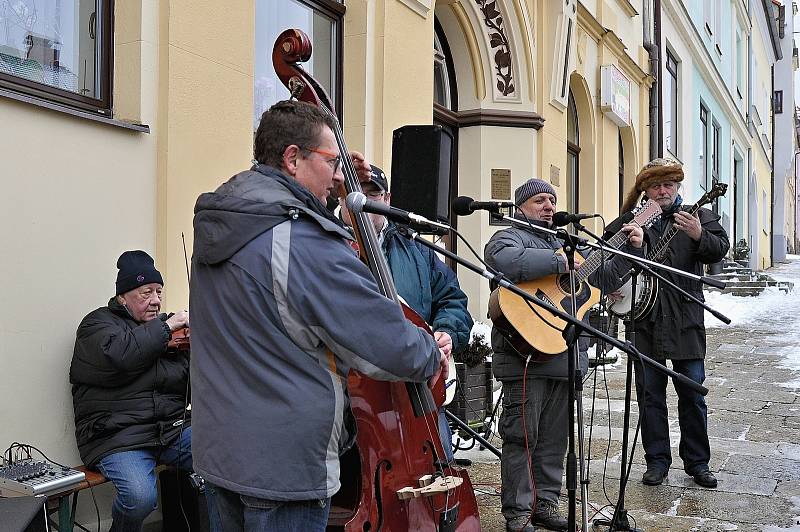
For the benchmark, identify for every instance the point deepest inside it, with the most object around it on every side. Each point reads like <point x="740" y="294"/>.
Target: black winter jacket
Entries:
<point x="675" y="328"/>
<point x="127" y="392"/>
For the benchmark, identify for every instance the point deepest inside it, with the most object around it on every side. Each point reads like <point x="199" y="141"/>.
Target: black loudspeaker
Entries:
<point x="421" y="157"/>
<point x="23" y="514"/>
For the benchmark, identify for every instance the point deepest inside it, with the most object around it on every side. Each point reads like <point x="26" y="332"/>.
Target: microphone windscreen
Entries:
<point x="560" y="219"/>
<point x="462" y="206"/>
<point x="355" y="201"/>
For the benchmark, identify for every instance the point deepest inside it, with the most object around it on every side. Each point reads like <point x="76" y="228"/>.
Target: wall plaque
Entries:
<point x="501" y="183"/>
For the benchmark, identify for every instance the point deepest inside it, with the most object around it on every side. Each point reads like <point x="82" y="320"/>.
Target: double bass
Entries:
<point x="396" y="477"/>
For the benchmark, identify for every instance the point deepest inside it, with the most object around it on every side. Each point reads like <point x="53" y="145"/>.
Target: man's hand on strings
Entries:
<point x="179" y="320"/>
<point x="689" y="224"/>
<point x="635" y="234"/>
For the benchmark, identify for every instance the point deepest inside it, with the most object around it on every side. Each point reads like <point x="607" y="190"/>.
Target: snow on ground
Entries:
<point x="773" y="309"/>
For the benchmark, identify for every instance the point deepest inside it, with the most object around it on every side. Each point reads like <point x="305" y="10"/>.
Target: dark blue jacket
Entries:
<point x="428" y="286"/>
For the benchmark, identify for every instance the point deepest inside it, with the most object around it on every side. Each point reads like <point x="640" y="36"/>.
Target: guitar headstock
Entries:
<point x="646" y="214"/>
<point x="717" y="190"/>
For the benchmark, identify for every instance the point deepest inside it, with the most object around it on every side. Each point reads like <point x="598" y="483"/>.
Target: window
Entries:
<point x="58" y="50"/>
<point x="704" y="144"/>
<point x="715" y="153"/>
<point x="322" y="21"/>
<point x="573" y="150"/>
<point x="671" y="105"/>
<point x="441" y="73"/>
<point x="777" y="102"/>
<point x="739" y="63"/>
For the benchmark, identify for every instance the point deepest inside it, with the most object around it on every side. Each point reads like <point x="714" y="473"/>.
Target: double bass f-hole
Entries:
<point x="398" y="479"/>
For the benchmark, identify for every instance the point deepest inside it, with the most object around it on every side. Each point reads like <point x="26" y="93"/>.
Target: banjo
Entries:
<point x="647" y="287"/>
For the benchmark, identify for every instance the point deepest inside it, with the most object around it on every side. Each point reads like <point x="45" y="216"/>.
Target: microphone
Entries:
<point x="358" y="202"/>
<point x="562" y="218"/>
<point x="464" y="205"/>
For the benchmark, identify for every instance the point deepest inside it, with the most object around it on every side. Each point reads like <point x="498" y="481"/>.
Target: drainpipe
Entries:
<point x="772" y="172"/>
<point x="653" y="48"/>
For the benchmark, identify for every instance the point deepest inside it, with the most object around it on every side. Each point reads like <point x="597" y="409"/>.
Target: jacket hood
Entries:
<point x="249" y="204"/>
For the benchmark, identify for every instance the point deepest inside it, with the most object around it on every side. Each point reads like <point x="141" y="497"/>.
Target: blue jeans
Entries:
<point x="651" y="391"/>
<point x="239" y="513"/>
<point x="133" y="475"/>
<point x="446" y="435"/>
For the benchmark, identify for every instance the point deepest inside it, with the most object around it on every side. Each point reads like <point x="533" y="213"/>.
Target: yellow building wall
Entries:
<point x="206" y="100"/>
<point x="760" y="148"/>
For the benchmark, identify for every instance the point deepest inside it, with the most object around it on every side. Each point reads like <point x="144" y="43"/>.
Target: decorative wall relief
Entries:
<point x="493" y="20"/>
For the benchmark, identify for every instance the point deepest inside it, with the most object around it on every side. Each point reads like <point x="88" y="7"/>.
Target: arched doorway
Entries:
<point x="445" y="106"/>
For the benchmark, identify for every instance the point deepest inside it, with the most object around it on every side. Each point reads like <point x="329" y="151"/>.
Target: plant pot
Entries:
<point x="473" y="393"/>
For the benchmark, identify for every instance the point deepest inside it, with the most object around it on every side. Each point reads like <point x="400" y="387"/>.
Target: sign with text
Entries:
<point x="615" y="95"/>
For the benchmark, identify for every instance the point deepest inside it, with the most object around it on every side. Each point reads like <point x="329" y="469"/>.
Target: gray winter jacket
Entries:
<point x="523" y="254"/>
<point x="282" y="309"/>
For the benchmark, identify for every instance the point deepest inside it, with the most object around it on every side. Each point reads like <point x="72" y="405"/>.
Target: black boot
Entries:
<point x="546" y="515"/>
<point x="519" y="524"/>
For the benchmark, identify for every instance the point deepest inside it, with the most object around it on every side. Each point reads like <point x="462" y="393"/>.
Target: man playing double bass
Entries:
<point x="282" y="309"/>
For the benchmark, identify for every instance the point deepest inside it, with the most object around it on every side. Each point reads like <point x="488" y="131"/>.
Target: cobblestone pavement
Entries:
<point x="753" y="422"/>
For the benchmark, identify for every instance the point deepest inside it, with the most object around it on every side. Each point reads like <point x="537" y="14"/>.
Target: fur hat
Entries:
<point x="530" y="188"/>
<point x="656" y="171"/>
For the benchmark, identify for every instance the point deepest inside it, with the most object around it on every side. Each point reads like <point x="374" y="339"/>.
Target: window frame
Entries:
<point x="100" y="106"/>
<point x="671" y="66"/>
<point x="573" y="155"/>
<point x="704" y="143"/>
<point x="716" y="147"/>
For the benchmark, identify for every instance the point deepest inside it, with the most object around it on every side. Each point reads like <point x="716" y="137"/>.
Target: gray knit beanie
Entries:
<point x="530" y="188"/>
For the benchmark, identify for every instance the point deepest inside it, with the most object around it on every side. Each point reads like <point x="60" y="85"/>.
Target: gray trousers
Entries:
<point x="547" y="424"/>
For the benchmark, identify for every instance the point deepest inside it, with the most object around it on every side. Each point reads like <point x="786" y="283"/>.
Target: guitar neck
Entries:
<point x="595" y="259"/>
<point x="658" y="251"/>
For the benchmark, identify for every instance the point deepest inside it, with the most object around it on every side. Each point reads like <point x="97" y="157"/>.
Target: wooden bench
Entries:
<point x="61" y="501"/>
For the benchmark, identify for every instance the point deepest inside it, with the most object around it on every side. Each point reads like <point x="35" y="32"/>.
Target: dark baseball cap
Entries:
<point x="378" y="177"/>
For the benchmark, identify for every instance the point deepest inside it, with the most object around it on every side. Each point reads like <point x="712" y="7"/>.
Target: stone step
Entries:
<point x="743" y="290"/>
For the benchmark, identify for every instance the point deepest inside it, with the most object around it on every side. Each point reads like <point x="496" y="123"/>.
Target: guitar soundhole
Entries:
<point x="563" y="283"/>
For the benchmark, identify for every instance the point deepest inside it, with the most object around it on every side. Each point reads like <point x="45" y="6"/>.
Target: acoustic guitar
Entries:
<point x="537" y="332"/>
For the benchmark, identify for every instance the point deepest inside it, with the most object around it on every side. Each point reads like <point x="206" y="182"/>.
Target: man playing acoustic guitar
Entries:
<point x="524" y="254"/>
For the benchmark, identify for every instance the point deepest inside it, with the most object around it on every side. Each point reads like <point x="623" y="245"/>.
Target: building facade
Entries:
<point x="785" y="139"/>
<point x="138" y="107"/>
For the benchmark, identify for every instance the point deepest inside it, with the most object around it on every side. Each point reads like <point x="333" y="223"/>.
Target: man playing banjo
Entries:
<point x="673" y="329"/>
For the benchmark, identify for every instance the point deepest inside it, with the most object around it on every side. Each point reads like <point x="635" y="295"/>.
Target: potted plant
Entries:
<point x="474" y="378"/>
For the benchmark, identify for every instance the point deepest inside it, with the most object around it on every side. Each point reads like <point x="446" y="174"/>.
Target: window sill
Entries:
<point x="142" y="128"/>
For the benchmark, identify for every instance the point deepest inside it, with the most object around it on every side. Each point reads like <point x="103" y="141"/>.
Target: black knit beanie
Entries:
<point x="136" y="268"/>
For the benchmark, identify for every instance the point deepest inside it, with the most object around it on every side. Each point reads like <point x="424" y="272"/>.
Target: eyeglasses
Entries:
<point x="335" y="161"/>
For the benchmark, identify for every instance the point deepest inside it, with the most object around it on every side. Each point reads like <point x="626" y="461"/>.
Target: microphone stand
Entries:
<point x="619" y="520"/>
<point x="574" y="395"/>
<point x="578" y="326"/>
